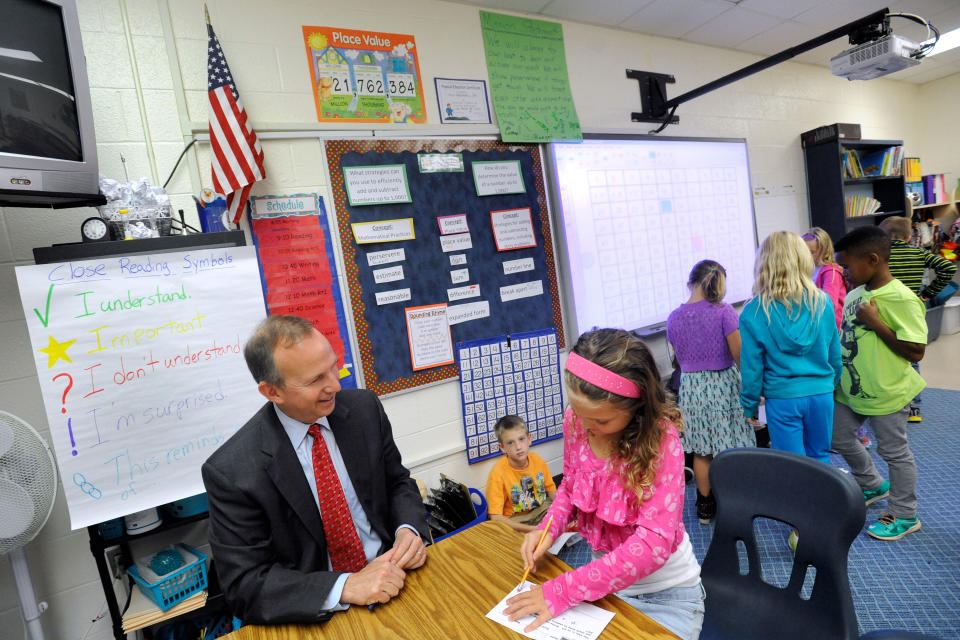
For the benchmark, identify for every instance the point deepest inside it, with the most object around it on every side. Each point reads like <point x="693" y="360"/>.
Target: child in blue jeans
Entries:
<point x="884" y="330"/>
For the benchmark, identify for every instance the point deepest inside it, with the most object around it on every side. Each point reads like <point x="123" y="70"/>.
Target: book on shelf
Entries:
<point x="935" y="189"/>
<point x="911" y="169"/>
<point x="881" y="163"/>
<point x="857" y="206"/>
<point x="915" y="187"/>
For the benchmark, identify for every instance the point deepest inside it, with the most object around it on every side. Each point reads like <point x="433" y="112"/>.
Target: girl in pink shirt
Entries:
<point x="623" y="483"/>
<point x="827" y="274"/>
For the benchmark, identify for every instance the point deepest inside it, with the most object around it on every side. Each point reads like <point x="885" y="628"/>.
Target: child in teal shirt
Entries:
<point x="883" y="330"/>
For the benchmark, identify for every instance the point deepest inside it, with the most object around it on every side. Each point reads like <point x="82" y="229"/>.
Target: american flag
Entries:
<point x="236" y="160"/>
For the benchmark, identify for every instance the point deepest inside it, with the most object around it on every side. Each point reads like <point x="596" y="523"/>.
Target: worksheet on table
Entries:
<point x="582" y="622"/>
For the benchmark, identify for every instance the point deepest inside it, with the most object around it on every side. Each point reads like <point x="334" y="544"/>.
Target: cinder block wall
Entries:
<point x="147" y="66"/>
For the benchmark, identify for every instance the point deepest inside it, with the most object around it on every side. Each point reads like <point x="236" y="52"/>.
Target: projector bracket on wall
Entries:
<point x="653" y="94"/>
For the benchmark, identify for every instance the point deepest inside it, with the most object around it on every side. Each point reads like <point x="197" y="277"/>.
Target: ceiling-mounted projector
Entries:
<point x="869" y="60"/>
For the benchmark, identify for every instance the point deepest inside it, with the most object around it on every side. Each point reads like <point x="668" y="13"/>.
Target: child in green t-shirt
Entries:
<point x="883" y="330"/>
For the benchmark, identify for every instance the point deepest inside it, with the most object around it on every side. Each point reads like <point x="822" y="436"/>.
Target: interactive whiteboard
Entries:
<point x="637" y="212"/>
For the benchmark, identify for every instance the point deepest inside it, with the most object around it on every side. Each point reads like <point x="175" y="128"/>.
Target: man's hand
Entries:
<point x="408" y="550"/>
<point x="869" y="314"/>
<point x="529" y="603"/>
<point x="379" y="581"/>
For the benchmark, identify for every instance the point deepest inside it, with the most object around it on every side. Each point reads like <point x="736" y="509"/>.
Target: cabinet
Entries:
<point x="828" y="187"/>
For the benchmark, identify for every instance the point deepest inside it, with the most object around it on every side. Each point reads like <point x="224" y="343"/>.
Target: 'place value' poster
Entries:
<point x="364" y="76"/>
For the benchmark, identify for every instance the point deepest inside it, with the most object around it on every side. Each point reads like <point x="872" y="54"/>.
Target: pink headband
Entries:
<point x="600" y="377"/>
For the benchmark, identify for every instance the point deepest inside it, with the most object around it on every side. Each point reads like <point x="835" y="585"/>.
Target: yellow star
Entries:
<point x="56" y="350"/>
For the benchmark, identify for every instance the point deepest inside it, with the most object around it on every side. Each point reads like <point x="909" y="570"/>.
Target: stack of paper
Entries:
<point x="142" y="612"/>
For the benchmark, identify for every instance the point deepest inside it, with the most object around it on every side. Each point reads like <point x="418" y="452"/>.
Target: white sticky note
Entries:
<point x="517" y="266"/>
<point x="456" y="242"/>
<point x="389" y="297"/>
<point x="522" y="290"/>
<point x="390" y="274"/>
<point x="461" y="293"/>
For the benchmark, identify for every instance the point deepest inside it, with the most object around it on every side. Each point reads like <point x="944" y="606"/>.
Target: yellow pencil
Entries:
<point x="539" y="542"/>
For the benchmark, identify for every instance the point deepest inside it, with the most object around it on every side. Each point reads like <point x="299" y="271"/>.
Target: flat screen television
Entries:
<point x="636" y="213"/>
<point x="48" y="153"/>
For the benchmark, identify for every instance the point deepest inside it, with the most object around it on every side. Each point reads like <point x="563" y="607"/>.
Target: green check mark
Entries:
<point x="46" y="319"/>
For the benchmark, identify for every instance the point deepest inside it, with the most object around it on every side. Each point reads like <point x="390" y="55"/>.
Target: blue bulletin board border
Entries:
<point x="348" y="381"/>
<point x="487" y="393"/>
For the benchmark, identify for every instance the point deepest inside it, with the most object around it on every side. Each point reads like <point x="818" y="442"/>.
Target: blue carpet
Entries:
<point x="911" y="584"/>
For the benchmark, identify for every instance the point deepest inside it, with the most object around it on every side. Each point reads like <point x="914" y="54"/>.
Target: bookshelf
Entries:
<point x="828" y="187"/>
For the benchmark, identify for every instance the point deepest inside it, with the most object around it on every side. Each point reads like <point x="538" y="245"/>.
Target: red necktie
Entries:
<point x="343" y="543"/>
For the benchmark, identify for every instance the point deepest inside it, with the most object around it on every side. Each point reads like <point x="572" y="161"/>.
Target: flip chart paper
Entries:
<point x="141" y="370"/>
<point x="527" y="66"/>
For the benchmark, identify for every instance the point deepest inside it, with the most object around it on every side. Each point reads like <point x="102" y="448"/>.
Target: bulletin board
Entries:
<point x="298" y="271"/>
<point x="489" y="282"/>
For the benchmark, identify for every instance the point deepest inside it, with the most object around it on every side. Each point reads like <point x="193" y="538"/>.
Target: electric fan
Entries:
<point x="28" y="487"/>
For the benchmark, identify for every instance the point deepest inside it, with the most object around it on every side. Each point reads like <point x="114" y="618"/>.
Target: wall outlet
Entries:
<point x="113" y="557"/>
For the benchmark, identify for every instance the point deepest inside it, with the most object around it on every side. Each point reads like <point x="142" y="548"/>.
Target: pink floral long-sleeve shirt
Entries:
<point x="638" y="538"/>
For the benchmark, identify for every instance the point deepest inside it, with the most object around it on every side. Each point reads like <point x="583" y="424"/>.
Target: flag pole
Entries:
<point x="206" y="13"/>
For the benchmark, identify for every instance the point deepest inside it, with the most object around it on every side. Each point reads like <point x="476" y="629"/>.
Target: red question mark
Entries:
<point x="63" y="401"/>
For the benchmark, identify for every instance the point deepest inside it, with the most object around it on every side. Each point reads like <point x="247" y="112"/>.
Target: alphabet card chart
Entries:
<point x="516" y="374"/>
<point x="364" y="76"/>
<point x="141" y="370"/>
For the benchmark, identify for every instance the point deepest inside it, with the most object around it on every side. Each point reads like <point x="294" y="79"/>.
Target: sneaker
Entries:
<point x="706" y="508"/>
<point x="890" y="528"/>
<point x="879" y="493"/>
<point x="792" y="540"/>
<point x="914" y="415"/>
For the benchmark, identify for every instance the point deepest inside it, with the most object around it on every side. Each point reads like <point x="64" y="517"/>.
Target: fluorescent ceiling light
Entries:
<point x="947" y="41"/>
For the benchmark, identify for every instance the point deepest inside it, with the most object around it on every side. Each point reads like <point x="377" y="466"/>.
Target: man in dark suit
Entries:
<point x="292" y="540"/>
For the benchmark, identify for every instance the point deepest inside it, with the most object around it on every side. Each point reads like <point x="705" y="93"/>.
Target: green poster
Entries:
<point x="527" y="66"/>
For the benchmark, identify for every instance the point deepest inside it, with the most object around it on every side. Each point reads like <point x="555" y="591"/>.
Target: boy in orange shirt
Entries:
<point x="520" y="487"/>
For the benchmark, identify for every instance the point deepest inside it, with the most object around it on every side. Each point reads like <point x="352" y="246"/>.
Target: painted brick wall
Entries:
<point x="145" y="106"/>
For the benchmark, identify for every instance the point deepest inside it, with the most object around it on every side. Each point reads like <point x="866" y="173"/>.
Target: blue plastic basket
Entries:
<point x="481" y="509"/>
<point x="179" y="585"/>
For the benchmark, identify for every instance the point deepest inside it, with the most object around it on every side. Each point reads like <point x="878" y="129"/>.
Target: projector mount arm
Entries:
<point x="653" y="91"/>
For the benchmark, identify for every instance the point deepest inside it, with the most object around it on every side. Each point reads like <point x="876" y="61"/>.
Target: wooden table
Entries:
<point x="449" y="597"/>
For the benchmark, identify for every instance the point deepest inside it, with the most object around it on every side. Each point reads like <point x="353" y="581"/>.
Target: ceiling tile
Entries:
<point x="520" y="6"/>
<point x="784" y="9"/>
<point x="673" y="18"/>
<point x="731" y="28"/>
<point x="923" y="75"/>
<point x="779" y="37"/>
<point x="606" y="12"/>
<point x="831" y="15"/>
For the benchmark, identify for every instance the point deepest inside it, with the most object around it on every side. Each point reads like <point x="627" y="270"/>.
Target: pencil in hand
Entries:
<point x="543" y="534"/>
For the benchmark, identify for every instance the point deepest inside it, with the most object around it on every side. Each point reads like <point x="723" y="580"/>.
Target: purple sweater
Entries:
<point x="698" y="333"/>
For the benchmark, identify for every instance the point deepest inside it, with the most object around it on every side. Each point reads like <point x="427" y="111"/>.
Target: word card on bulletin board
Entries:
<point x="298" y="271"/>
<point x="444" y="241"/>
<point x="517" y="375"/>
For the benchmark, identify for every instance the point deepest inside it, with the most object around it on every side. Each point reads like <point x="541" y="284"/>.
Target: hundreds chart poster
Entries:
<point x="364" y="76"/>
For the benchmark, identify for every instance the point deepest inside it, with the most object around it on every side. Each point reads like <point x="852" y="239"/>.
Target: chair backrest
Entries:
<point x="826" y="507"/>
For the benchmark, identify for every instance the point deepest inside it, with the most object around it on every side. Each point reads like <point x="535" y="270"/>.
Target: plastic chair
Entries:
<point x="480" y="504"/>
<point x="826" y="507"/>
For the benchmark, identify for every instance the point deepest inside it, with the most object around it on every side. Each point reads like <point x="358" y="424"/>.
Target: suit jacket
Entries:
<point x="266" y="533"/>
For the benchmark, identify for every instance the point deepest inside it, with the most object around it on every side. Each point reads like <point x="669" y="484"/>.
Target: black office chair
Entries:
<point x="826" y="507"/>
